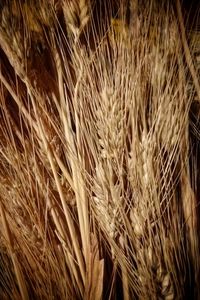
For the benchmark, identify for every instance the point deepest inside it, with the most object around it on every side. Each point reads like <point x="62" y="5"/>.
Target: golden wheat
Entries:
<point x="98" y="170"/>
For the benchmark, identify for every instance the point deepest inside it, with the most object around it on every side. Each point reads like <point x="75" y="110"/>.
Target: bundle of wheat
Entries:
<point x="98" y="165"/>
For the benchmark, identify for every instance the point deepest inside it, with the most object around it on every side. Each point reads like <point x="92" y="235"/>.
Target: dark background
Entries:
<point x="192" y="11"/>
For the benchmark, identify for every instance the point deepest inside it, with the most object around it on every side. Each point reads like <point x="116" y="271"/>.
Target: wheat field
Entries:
<point x="99" y="150"/>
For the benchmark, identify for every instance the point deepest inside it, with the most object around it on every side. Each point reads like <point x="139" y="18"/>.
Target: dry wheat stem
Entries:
<point x="67" y="214"/>
<point x="18" y="271"/>
<point x="17" y="100"/>
<point x="78" y="182"/>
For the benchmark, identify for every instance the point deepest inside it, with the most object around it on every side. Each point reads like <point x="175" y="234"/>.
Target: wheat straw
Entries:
<point x="98" y="170"/>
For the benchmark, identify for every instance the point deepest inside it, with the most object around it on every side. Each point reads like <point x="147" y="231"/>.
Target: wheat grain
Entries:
<point x="76" y="15"/>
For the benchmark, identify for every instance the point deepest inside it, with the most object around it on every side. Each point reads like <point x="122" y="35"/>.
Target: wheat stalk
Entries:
<point x="98" y="197"/>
